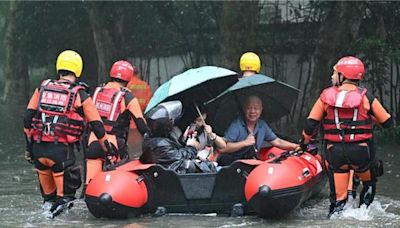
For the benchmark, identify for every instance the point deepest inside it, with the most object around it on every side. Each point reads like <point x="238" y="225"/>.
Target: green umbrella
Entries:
<point x="277" y="98"/>
<point x="194" y="86"/>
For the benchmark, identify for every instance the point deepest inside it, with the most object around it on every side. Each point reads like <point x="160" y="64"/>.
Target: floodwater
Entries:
<point x="20" y="198"/>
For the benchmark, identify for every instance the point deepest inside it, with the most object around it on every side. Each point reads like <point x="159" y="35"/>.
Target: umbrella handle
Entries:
<point x="200" y="115"/>
<point x="202" y="119"/>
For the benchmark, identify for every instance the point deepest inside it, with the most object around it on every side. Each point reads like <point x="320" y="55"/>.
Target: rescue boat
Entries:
<point x="270" y="187"/>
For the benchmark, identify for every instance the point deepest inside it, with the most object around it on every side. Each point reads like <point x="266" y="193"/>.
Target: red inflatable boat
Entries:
<point x="269" y="189"/>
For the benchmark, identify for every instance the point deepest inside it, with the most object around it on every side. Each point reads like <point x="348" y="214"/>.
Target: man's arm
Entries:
<point x="236" y="146"/>
<point x="382" y="117"/>
<point x="137" y="115"/>
<point x="92" y="115"/>
<point x="30" y="113"/>
<point x="283" y="144"/>
<point x="313" y="121"/>
<point x="219" y="142"/>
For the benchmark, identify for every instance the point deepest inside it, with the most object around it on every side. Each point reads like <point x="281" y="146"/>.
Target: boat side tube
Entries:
<point x="278" y="186"/>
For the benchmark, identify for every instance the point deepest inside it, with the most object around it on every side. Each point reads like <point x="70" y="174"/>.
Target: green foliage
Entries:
<point x="50" y="27"/>
<point x="149" y="29"/>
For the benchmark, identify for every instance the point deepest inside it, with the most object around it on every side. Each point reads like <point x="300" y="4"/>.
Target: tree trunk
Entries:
<point x="237" y="30"/>
<point x="106" y="46"/>
<point x="16" y="89"/>
<point x="338" y="30"/>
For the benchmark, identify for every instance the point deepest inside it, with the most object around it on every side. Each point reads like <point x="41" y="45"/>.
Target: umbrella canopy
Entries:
<point x="277" y="98"/>
<point x="194" y="86"/>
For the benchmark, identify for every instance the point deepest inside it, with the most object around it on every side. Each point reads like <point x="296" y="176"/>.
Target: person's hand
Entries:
<point x="298" y="148"/>
<point x="28" y="156"/>
<point x="186" y="133"/>
<point x="112" y="151"/>
<point x="211" y="135"/>
<point x="250" y="140"/>
<point x="303" y="145"/>
<point x="193" y="142"/>
<point x="28" y="148"/>
<point x="208" y="129"/>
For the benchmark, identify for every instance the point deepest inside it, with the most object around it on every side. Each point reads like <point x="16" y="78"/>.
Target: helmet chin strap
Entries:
<point x="339" y="81"/>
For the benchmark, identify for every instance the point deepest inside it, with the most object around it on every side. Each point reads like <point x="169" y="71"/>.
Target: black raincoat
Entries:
<point x="170" y="153"/>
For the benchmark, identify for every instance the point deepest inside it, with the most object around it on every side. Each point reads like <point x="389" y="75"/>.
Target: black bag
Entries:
<point x="193" y="166"/>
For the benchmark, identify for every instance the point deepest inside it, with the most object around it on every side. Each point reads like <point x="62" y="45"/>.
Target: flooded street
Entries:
<point x="20" y="198"/>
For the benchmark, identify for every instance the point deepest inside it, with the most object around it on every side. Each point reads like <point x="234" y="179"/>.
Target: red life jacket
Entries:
<point x="57" y="119"/>
<point x="346" y="119"/>
<point x="108" y="103"/>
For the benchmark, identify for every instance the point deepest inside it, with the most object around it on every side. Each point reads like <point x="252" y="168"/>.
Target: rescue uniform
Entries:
<point x="141" y="90"/>
<point x="54" y="123"/>
<point x="347" y="114"/>
<point x="117" y="106"/>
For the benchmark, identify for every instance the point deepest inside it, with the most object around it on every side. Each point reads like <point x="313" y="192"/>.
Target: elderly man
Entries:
<point x="245" y="136"/>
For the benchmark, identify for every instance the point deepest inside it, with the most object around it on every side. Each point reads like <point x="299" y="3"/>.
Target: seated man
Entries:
<point x="162" y="148"/>
<point x="245" y="136"/>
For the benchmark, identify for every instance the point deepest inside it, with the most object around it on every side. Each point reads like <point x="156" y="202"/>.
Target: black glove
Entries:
<point x="28" y="157"/>
<point x="310" y="147"/>
<point x="112" y="151"/>
<point x="28" y="150"/>
<point x="303" y="145"/>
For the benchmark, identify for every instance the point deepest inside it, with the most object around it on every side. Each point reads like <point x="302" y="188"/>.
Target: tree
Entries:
<point x="339" y="30"/>
<point x="16" y="68"/>
<point x="104" y="34"/>
<point x="237" y="25"/>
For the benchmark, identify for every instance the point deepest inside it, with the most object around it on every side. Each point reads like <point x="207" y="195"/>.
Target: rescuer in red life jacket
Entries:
<point x="53" y="124"/>
<point x="117" y="106"/>
<point x="346" y="111"/>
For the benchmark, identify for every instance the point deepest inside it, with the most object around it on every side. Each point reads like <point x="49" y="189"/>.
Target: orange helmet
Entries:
<point x="350" y="67"/>
<point x="122" y="70"/>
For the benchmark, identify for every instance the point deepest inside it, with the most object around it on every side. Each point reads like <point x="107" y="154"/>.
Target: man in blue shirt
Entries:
<point x="245" y="137"/>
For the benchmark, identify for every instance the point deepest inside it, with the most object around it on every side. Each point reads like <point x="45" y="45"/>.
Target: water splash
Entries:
<point x="378" y="213"/>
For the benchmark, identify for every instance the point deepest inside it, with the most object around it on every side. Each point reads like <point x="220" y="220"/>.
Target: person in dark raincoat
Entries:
<point x="159" y="146"/>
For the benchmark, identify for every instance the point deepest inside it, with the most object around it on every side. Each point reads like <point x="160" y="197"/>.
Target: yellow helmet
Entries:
<point x="250" y="61"/>
<point x="71" y="61"/>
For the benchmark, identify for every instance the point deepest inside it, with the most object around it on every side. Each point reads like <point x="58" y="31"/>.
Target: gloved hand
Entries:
<point x="303" y="145"/>
<point x="112" y="151"/>
<point x="310" y="147"/>
<point x="28" y="156"/>
<point x="28" y="149"/>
